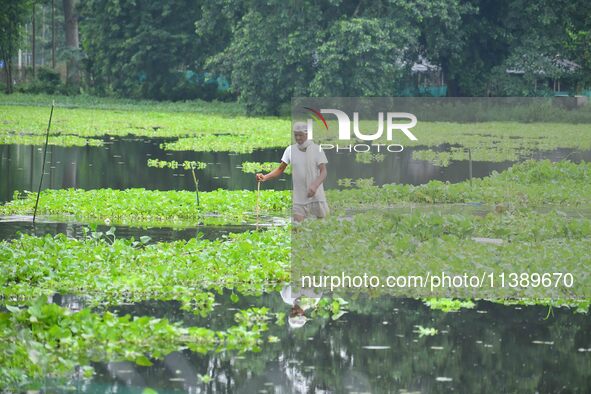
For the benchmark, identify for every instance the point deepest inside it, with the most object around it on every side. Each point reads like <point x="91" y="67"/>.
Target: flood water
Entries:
<point x="12" y="226"/>
<point x="122" y="163"/>
<point x="374" y="348"/>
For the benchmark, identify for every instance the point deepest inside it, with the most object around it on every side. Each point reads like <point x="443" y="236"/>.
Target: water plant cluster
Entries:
<point x="533" y="216"/>
<point x="173" y="164"/>
<point x="383" y="243"/>
<point x="521" y="186"/>
<point x="53" y="341"/>
<point x="152" y="207"/>
<point x="123" y="270"/>
<point x="211" y="129"/>
<point x="252" y="167"/>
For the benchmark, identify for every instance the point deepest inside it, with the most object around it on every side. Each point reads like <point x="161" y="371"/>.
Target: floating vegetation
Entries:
<point x="252" y="167"/>
<point x="123" y="270"/>
<point x="53" y="338"/>
<point x="448" y="304"/>
<point x="368" y="157"/>
<point x="426" y="331"/>
<point x="360" y="183"/>
<point x="495" y="141"/>
<point x="232" y="142"/>
<point x="418" y="244"/>
<point x="523" y="185"/>
<point x="58" y="140"/>
<point x="437" y="158"/>
<point x="85" y="122"/>
<point x="145" y="207"/>
<point x="209" y="128"/>
<point x="173" y="164"/>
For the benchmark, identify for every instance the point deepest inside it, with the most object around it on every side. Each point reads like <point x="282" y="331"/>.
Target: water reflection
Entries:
<point x="10" y="227"/>
<point x="375" y="348"/>
<point x="122" y="163"/>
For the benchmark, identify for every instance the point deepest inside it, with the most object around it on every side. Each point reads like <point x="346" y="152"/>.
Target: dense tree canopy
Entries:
<point x="140" y="49"/>
<point x="272" y="50"/>
<point x="12" y="20"/>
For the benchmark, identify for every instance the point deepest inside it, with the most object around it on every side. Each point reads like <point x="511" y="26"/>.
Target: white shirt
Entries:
<point x="305" y="169"/>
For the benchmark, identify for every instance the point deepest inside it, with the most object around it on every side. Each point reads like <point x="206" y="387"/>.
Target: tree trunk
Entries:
<point x="9" y="76"/>
<point x="72" y="42"/>
<point x="33" y="40"/>
<point x="52" y="34"/>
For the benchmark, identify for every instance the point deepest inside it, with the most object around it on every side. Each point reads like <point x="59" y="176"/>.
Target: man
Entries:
<point x="299" y="301"/>
<point x="308" y="163"/>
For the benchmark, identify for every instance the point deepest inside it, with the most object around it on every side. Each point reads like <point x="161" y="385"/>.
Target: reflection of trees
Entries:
<point x="488" y="349"/>
<point x="122" y="163"/>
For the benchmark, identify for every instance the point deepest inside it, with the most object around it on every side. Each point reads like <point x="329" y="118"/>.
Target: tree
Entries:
<point x="361" y="57"/>
<point x="12" y="20"/>
<point x="484" y="37"/>
<point x="72" y="52"/>
<point x="142" y="49"/>
<point x="275" y="49"/>
<point x="271" y="53"/>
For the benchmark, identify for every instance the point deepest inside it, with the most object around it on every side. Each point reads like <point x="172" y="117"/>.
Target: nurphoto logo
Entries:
<point x="392" y="120"/>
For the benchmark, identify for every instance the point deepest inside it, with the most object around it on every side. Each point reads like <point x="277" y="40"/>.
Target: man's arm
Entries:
<point x="318" y="181"/>
<point x="273" y="174"/>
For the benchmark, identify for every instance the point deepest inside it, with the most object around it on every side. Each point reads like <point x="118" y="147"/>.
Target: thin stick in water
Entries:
<point x="44" y="158"/>
<point x="196" y="185"/>
<point x="258" y="202"/>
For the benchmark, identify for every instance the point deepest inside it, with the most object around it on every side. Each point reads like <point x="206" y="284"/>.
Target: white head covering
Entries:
<point x="297" y="321"/>
<point x="300" y="127"/>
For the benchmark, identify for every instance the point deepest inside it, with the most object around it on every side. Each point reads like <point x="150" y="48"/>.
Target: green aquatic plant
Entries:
<point x="173" y="164"/>
<point x="221" y="127"/>
<point x="523" y="185"/>
<point x="231" y="142"/>
<point x="54" y="341"/>
<point x="330" y="307"/>
<point x="252" y="167"/>
<point x="145" y="121"/>
<point x="419" y="247"/>
<point x="360" y="183"/>
<point x="426" y="331"/>
<point x="448" y="304"/>
<point x="152" y="207"/>
<point x="437" y="158"/>
<point x="368" y="157"/>
<point x="124" y="270"/>
<point x="186" y="165"/>
<point x="114" y="103"/>
<point x="57" y="140"/>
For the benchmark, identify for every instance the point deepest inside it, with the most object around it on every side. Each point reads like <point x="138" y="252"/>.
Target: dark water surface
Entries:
<point x="374" y="348"/>
<point x="12" y="226"/>
<point x="122" y="164"/>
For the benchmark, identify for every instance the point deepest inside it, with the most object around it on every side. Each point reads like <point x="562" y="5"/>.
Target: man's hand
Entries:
<point x="312" y="190"/>
<point x="260" y="178"/>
